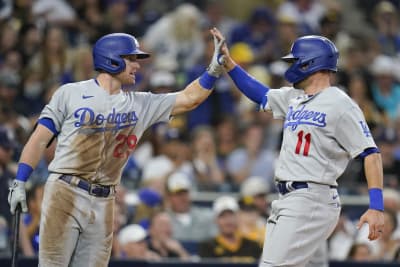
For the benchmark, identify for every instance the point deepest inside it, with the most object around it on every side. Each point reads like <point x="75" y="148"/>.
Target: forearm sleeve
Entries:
<point x="249" y="86"/>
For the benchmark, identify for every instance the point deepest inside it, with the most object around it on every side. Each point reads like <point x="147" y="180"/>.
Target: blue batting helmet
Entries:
<point x="109" y="49"/>
<point x="310" y="54"/>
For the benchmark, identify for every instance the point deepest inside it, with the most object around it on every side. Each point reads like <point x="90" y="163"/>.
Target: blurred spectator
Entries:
<point x="116" y="18"/>
<point x="385" y="248"/>
<point x="31" y="101"/>
<point x="215" y="16"/>
<point x="341" y="241"/>
<point x="388" y="245"/>
<point x="118" y="222"/>
<point x="251" y="159"/>
<point x="82" y="63"/>
<point x="220" y="102"/>
<point x="243" y="54"/>
<point x="53" y="61"/>
<point x="174" y="156"/>
<point x="54" y="12"/>
<point x="305" y="12"/>
<point x="387" y="28"/>
<point x="288" y="32"/>
<point x="385" y="90"/>
<point x="190" y="223"/>
<point x="358" y="90"/>
<point x="254" y="190"/>
<point x="5" y="9"/>
<point x="12" y="65"/>
<point x="176" y="37"/>
<point x="31" y="221"/>
<point x="391" y="201"/>
<point x="8" y="39"/>
<point x="360" y="252"/>
<point x="162" y="81"/>
<point x="208" y="173"/>
<point x="391" y="168"/>
<point x="5" y="246"/>
<point x="259" y="33"/>
<point x="229" y="244"/>
<point x="331" y="27"/>
<point x="161" y="240"/>
<point x="150" y="202"/>
<point x="90" y="19"/>
<point x="22" y="12"/>
<point x="8" y="89"/>
<point x="227" y="139"/>
<point x="250" y="222"/>
<point x="7" y="146"/>
<point x="132" y="240"/>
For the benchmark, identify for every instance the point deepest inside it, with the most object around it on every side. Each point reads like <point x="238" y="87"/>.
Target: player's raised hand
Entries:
<point x="225" y="60"/>
<point x="216" y="65"/>
<point x="375" y="220"/>
<point x="17" y="195"/>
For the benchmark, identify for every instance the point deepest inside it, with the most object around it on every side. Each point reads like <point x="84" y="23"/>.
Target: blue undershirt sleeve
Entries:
<point x="250" y="87"/>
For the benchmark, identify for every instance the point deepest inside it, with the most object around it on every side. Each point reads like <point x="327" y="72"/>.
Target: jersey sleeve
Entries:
<point x="158" y="107"/>
<point x="278" y="100"/>
<point x="56" y="109"/>
<point x="352" y="132"/>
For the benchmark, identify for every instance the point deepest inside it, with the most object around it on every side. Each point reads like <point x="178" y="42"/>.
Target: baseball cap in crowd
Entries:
<point x="132" y="233"/>
<point x="5" y="141"/>
<point x="224" y="203"/>
<point x="241" y="53"/>
<point x="253" y="186"/>
<point x="383" y="65"/>
<point x="162" y="78"/>
<point x="177" y="182"/>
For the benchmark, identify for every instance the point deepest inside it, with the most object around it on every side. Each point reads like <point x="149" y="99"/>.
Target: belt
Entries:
<point x="285" y="187"/>
<point x="96" y="190"/>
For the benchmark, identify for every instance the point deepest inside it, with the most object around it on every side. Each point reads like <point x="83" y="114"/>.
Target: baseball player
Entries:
<point x="323" y="128"/>
<point x="97" y="125"/>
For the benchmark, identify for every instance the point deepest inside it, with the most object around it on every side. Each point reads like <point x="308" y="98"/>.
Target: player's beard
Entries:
<point x="128" y="81"/>
<point x="300" y="85"/>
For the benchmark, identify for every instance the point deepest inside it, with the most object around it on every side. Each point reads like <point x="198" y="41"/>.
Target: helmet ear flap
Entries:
<point x="111" y="64"/>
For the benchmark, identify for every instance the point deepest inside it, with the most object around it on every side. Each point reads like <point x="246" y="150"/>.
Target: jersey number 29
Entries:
<point x="307" y="137"/>
<point x="128" y="140"/>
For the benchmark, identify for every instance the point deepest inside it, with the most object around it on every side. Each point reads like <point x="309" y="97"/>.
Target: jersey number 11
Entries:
<point x="307" y="138"/>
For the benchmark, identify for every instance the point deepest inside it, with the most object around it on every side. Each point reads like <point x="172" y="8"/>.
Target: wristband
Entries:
<point x="23" y="172"/>
<point x="207" y="81"/>
<point x="375" y="199"/>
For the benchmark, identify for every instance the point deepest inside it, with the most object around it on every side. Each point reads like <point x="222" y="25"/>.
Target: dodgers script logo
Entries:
<point x="115" y="120"/>
<point x="303" y="116"/>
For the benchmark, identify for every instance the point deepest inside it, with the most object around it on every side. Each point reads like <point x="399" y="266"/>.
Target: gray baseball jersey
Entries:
<point x="98" y="131"/>
<point x="321" y="133"/>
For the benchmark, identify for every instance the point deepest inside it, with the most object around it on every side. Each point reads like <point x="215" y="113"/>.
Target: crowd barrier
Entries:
<point x="32" y="262"/>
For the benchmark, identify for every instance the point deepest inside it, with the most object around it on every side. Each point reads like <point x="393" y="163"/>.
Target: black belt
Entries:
<point x="93" y="189"/>
<point x="285" y="187"/>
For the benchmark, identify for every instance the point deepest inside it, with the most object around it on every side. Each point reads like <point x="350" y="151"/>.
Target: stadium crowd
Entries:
<point x="225" y="145"/>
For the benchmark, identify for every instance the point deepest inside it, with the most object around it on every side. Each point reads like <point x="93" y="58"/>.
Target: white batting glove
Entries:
<point x="17" y="195"/>
<point x="216" y="67"/>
